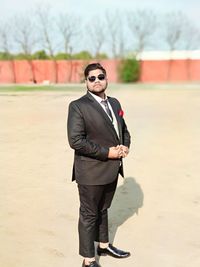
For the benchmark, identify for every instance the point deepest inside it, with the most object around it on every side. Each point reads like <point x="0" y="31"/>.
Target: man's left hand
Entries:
<point x="124" y="150"/>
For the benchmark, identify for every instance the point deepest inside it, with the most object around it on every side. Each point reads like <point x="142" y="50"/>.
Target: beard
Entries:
<point x="102" y="90"/>
<point x="97" y="93"/>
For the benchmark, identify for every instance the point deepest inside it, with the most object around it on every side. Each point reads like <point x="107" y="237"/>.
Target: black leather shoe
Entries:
<point x="92" y="264"/>
<point x="112" y="251"/>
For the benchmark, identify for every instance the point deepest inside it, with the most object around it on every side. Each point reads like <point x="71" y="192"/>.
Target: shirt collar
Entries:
<point x="97" y="98"/>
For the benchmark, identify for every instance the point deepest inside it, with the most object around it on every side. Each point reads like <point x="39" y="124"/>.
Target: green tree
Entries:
<point x="129" y="70"/>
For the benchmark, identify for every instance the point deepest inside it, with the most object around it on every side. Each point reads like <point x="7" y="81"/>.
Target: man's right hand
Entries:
<point x="115" y="152"/>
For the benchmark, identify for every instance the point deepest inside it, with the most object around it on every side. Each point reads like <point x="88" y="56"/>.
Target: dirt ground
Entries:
<point x="156" y="209"/>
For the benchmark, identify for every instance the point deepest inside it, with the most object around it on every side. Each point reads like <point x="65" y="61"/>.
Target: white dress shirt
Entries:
<point x="99" y="100"/>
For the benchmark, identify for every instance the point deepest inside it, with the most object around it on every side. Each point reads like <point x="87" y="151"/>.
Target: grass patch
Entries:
<point x="81" y="87"/>
<point x="33" y="88"/>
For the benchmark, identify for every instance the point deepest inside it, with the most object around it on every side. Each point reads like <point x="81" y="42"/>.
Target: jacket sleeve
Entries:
<point x="77" y="136"/>
<point x="126" y="135"/>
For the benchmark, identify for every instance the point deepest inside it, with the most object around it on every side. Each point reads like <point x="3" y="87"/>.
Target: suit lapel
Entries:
<point x="103" y="114"/>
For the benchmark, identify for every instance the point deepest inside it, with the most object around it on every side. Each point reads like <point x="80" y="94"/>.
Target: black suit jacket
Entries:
<point x="90" y="134"/>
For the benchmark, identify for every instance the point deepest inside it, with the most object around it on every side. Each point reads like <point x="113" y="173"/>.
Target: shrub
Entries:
<point x="22" y="56"/>
<point x="41" y="54"/>
<point x="129" y="70"/>
<point x="63" y="56"/>
<point x="101" y="56"/>
<point x="5" y="56"/>
<point x="85" y="55"/>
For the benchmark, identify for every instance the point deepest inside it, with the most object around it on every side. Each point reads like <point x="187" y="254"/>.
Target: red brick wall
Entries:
<point x="170" y="70"/>
<point x="62" y="71"/>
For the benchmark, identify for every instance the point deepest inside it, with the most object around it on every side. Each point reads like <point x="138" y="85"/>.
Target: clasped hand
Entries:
<point x="117" y="152"/>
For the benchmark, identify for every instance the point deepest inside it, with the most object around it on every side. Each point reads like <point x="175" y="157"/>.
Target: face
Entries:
<point x="99" y="85"/>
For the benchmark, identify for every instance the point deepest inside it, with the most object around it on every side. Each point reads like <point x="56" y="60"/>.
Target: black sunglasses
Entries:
<point x="100" y="77"/>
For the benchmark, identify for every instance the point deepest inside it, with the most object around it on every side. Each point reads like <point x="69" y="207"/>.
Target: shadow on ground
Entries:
<point x="127" y="202"/>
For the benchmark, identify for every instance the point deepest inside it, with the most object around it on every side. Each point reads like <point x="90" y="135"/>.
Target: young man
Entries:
<point x="98" y="134"/>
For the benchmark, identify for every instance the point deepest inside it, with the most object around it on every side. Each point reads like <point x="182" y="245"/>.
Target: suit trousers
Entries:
<point x="93" y="216"/>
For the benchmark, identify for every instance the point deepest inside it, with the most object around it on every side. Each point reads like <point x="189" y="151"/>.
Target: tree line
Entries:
<point x="40" y="34"/>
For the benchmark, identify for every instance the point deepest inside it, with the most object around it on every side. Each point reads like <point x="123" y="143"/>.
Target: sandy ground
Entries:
<point x="156" y="210"/>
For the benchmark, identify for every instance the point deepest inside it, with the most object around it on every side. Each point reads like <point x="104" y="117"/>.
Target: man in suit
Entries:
<point x="98" y="134"/>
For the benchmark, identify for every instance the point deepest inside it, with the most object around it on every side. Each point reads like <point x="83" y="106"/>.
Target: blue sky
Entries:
<point x="95" y="7"/>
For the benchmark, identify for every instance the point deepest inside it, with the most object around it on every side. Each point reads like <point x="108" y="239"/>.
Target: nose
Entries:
<point x="97" y="79"/>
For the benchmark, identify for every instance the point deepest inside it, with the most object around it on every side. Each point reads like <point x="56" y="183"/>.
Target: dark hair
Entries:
<point x="93" y="66"/>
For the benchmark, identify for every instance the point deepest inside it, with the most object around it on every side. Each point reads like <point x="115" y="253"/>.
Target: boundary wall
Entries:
<point x="71" y="71"/>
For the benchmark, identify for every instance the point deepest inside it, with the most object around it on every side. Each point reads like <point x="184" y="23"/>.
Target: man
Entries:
<point x="98" y="134"/>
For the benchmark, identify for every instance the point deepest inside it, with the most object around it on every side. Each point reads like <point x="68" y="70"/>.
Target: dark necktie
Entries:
<point x="105" y="103"/>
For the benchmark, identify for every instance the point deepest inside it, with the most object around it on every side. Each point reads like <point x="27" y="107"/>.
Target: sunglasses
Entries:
<point x="100" y="77"/>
